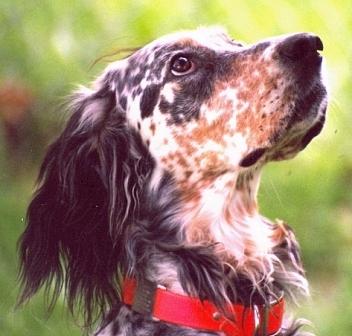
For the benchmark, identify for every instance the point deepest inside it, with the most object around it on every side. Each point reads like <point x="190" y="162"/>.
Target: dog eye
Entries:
<point x="181" y="65"/>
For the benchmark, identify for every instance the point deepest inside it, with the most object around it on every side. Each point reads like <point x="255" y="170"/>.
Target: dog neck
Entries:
<point x="223" y="210"/>
<point x="219" y="215"/>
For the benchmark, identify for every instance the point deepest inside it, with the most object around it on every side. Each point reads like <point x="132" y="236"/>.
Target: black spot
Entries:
<point x="123" y="102"/>
<point x="115" y="327"/>
<point x="120" y="85"/>
<point x="252" y="157"/>
<point x="260" y="47"/>
<point x="164" y="105"/>
<point x="137" y="79"/>
<point x="149" y="99"/>
<point x="137" y="91"/>
<point x="193" y="91"/>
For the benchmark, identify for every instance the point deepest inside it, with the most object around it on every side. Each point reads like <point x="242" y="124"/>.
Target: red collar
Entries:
<point x="160" y="304"/>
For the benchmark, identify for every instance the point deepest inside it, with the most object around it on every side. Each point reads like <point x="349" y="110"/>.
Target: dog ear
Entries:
<point x="79" y="214"/>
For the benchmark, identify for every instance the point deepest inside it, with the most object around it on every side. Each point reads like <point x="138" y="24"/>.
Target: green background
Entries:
<point x="51" y="45"/>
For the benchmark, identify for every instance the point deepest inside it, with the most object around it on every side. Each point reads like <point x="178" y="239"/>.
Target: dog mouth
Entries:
<point x="305" y="123"/>
<point x="306" y="117"/>
<point x="313" y="131"/>
<point x="306" y="109"/>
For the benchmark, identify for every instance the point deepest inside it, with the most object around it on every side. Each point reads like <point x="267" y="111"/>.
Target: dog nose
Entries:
<point x="300" y="46"/>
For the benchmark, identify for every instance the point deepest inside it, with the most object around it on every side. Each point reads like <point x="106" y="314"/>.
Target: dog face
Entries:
<point x="205" y="104"/>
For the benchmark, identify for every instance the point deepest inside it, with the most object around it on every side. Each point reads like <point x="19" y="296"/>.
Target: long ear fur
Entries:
<point x="77" y="218"/>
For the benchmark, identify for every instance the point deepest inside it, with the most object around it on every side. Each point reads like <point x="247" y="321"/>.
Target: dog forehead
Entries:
<point x="215" y="38"/>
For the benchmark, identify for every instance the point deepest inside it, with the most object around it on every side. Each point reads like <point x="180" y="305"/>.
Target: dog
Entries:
<point x="145" y="212"/>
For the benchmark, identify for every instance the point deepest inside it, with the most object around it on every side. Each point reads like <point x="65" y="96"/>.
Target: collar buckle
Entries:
<point x="144" y="297"/>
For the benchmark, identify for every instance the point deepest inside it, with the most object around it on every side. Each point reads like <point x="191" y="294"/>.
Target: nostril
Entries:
<point x="299" y="46"/>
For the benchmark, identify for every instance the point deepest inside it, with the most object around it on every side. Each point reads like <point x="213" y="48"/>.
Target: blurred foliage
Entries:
<point x="49" y="46"/>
